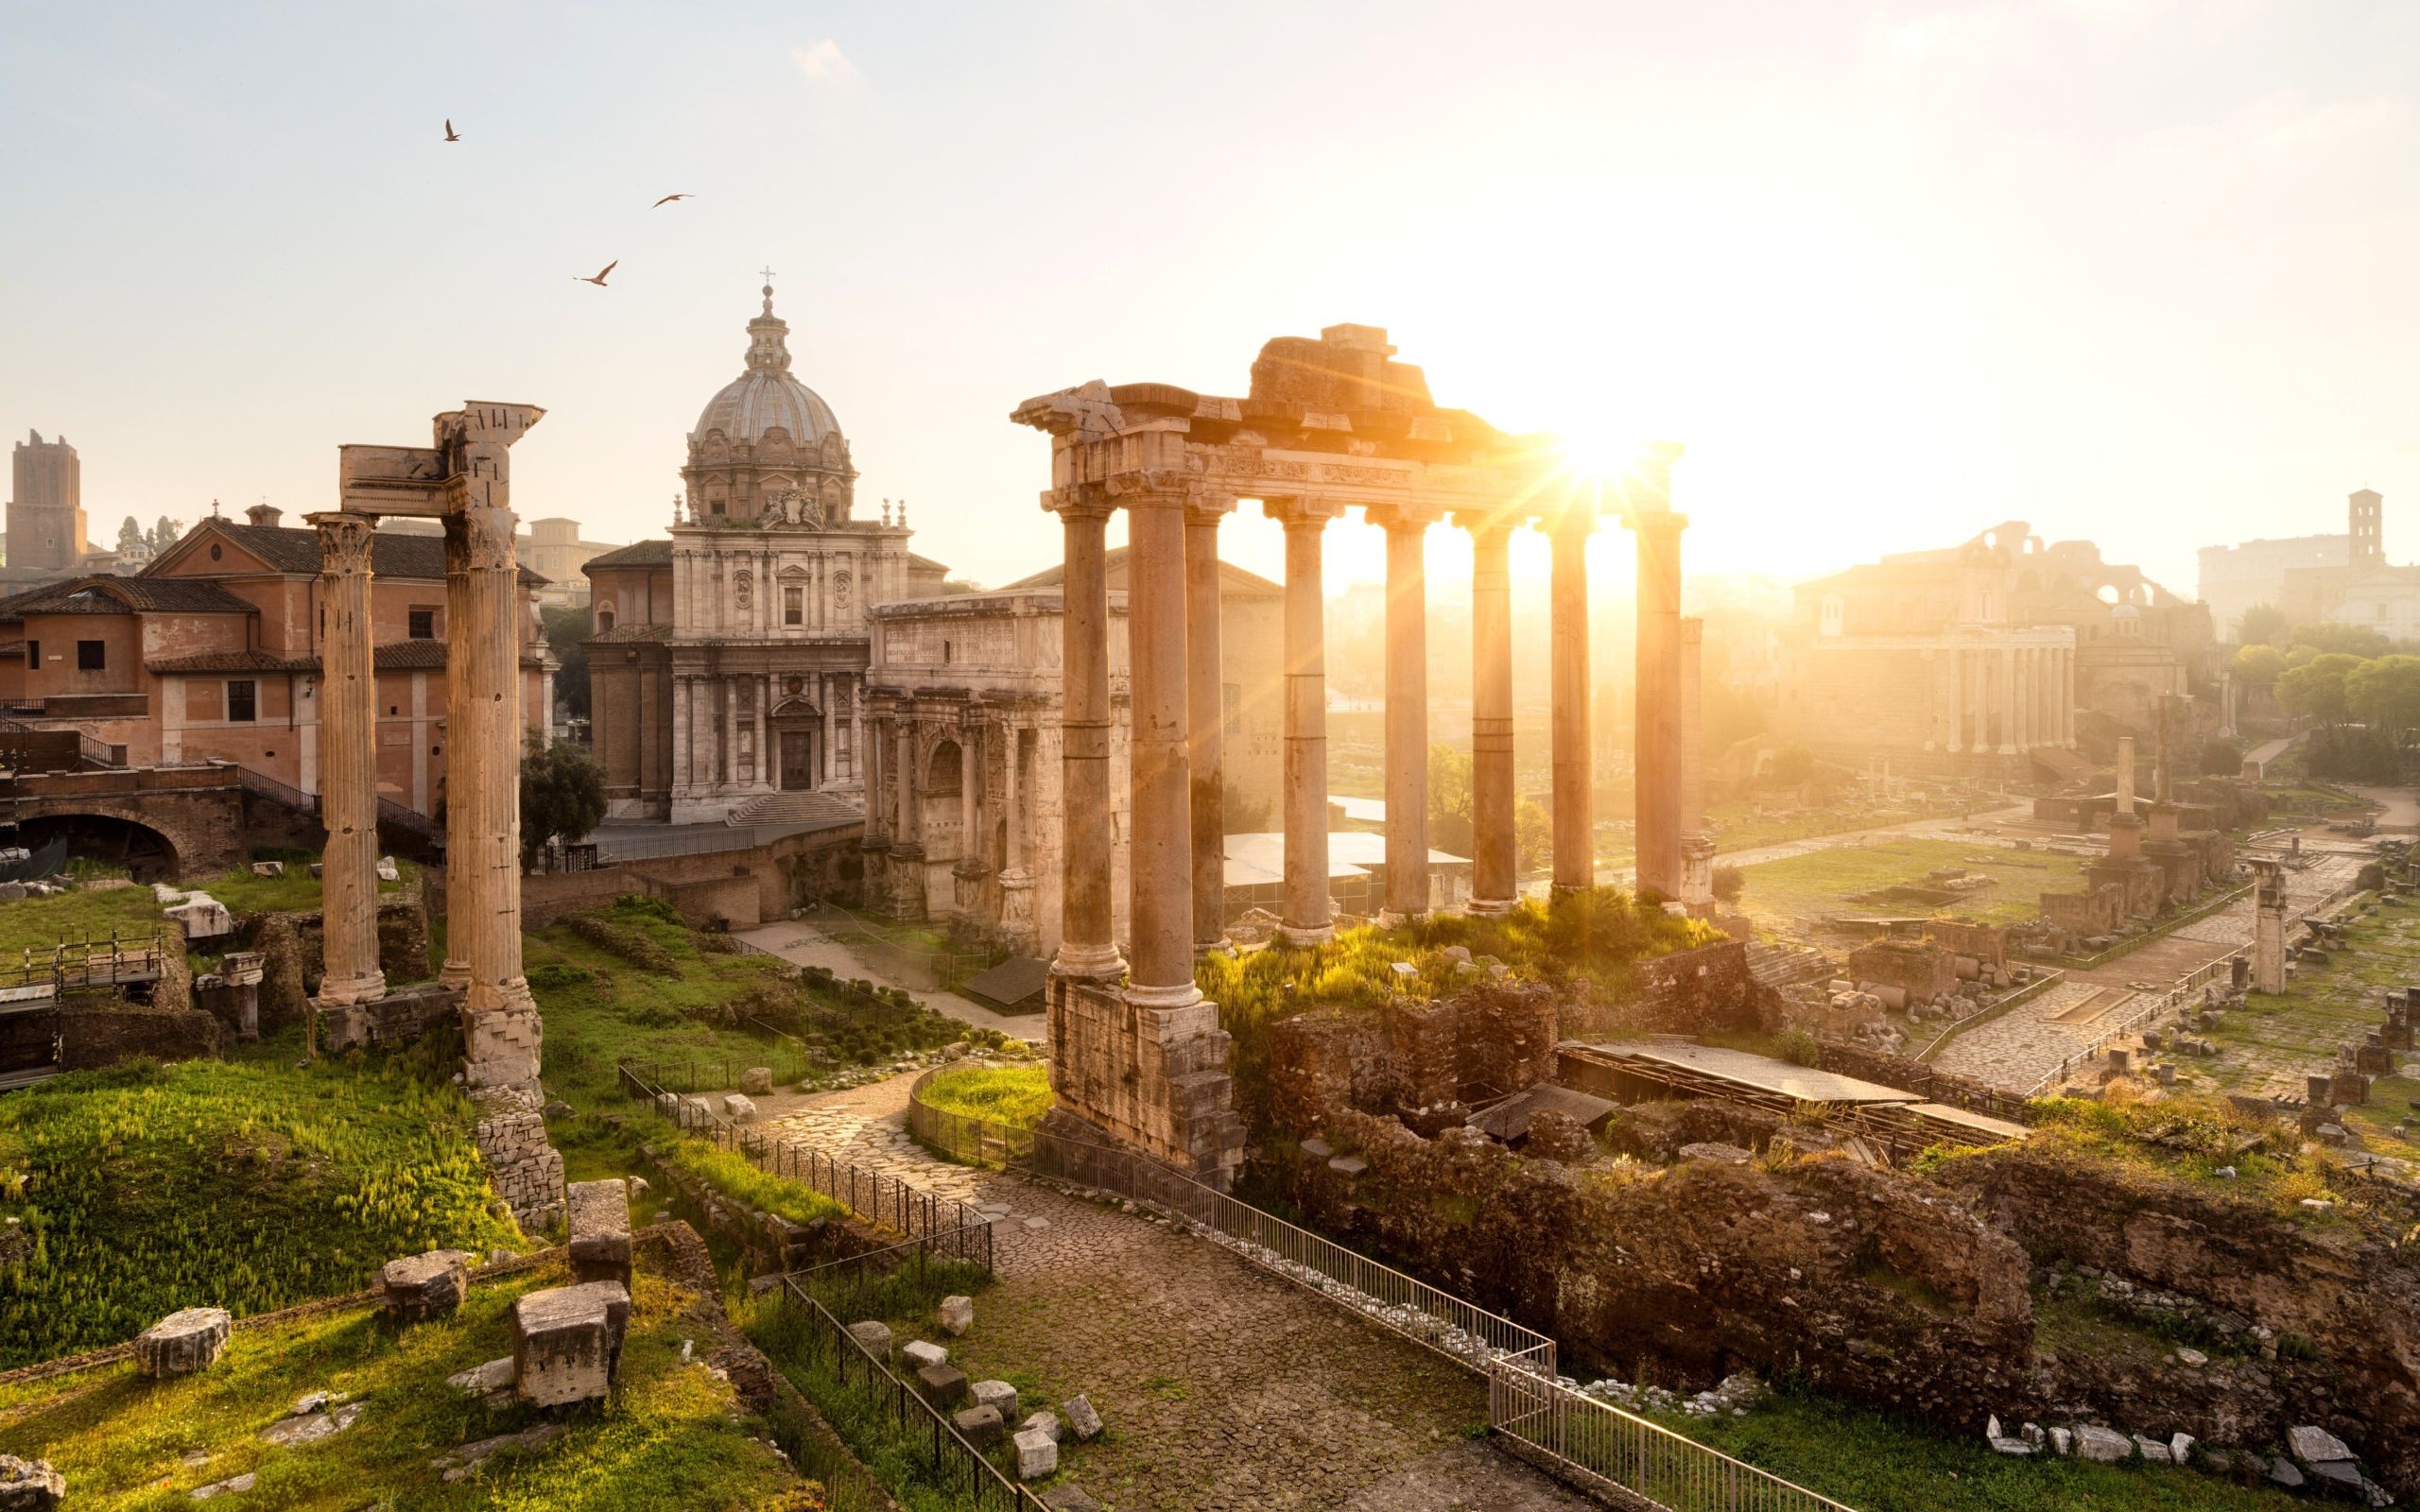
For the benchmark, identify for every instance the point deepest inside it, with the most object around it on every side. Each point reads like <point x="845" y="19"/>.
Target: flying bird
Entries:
<point x="667" y="200"/>
<point x="451" y="135"/>
<point x="599" y="278"/>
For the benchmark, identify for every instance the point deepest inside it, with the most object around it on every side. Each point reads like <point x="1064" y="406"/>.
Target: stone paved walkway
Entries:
<point x="805" y="945"/>
<point x="1223" y="1386"/>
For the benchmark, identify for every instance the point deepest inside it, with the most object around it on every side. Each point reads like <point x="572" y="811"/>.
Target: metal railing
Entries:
<point x="616" y="844"/>
<point x="960" y="1137"/>
<point x="946" y="1462"/>
<point x="955" y="1229"/>
<point x="1591" y="1443"/>
<point x="275" y="791"/>
<point x="88" y="962"/>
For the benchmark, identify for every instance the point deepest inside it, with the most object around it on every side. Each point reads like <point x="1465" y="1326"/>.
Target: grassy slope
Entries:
<point x="1781" y="892"/>
<point x="250" y="1186"/>
<point x="671" y="1437"/>
<point x="40" y="923"/>
<point x="297" y="891"/>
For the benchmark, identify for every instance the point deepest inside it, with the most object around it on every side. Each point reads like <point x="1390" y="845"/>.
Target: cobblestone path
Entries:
<point x="2020" y="1048"/>
<point x="1222" y="1386"/>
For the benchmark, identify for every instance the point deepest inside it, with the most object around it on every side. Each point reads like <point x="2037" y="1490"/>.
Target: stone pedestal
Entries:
<point x="598" y="1214"/>
<point x="423" y="1287"/>
<point x="1019" y="933"/>
<point x="1153" y="1079"/>
<point x="2268" y="927"/>
<point x="567" y="1342"/>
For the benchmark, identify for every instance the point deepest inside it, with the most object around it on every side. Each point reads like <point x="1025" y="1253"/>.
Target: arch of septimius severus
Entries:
<point x="1329" y="425"/>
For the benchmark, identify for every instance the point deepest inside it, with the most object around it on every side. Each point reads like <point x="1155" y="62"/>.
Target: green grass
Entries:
<point x="297" y="891"/>
<point x="1878" y="1463"/>
<point x="671" y="1437"/>
<point x="248" y="1185"/>
<point x="40" y="923"/>
<point x="1820" y="885"/>
<point x="1014" y="1095"/>
<point x="733" y="1175"/>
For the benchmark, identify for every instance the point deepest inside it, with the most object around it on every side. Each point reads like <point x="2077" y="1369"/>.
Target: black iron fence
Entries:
<point x="974" y="1140"/>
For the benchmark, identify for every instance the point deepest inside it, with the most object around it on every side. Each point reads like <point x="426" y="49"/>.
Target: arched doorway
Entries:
<point x="796" y="728"/>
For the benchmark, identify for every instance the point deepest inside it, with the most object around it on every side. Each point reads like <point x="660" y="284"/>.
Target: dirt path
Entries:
<point x="805" y="945"/>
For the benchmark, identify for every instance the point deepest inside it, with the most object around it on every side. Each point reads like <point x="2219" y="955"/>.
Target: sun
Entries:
<point x="1597" y="456"/>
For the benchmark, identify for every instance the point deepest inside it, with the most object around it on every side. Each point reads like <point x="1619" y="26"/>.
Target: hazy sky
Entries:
<point x="2142" y="271"/>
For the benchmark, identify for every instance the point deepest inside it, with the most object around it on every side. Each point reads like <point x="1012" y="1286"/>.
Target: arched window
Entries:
<point x="604" y="619"/>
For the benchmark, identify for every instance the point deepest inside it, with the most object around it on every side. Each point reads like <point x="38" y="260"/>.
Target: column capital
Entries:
<point x="345" y="535"/>
<point x="1665" y="521"/>
<point x="1301" y="511"/>
<point x="1411" y="517"/>
<point x="1482" y="523"/>
<point x="1206" y="507"/>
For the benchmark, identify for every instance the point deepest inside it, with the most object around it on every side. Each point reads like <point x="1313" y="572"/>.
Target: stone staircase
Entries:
<point x="1785" y="965"/>
<point x="2063" y="764"/>
<point x="812" y="806"/>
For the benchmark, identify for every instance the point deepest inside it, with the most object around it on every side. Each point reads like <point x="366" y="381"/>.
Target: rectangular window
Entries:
<point x="793" y="606"/>
<point x="242" y="701"/>
<point x="423" y="625"/>
<point x="33" y="656"/>
<point x="92" y="656"/>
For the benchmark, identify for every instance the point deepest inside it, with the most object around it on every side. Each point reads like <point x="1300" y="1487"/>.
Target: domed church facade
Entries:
<point x="726" y="662"/>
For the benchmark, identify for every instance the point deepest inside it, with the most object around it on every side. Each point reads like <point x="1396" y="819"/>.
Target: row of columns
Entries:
<point x="1178" y="855"/>
<point x="706" y="723"/>
<point x="2025" y="692"/>
<point x="898" y="789"/>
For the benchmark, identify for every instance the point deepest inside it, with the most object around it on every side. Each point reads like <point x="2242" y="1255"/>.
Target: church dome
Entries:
<point x="765" y="396"/>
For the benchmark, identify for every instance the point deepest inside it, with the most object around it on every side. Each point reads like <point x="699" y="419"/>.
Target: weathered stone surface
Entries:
<point x="216" y="1489"/>
<point x="1037" y="1454"/>
<point x="739" y="1107"/>
<point x="2101" y="1445"/>
<point x="482" y="1380"/>
<point x="979" y="1426"/>
<point x="29" y="1485"/>
<point x="1082" y="1417"/>
<point x="2152" y="1450"/>
<point x="183" y="1342"/>
<point x="425" y="1286"/>
<point x="944" y="1385"/>
<point x="310" y="1427"/>
<point x="2284" y="1472"/>
<point x="874" y="1337"/>
<point x="920" y="1353"/>
<point x="1069" y="1498"/>
<point x="466" y="1460"/>
<point x="756" y="1081"/>
<point x="600" y="1213"/>
<point x="998" y="1395"/>
<point x="1713" y="1150"/>
<point x="1044" y="1423"/>
<point x="956" y="1314"/>
<point x="2312" y="1445"/>
<point x="567" y="1341"/>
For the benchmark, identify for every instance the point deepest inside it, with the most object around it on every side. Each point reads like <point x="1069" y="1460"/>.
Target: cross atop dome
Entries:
<point x="768" y="288"/>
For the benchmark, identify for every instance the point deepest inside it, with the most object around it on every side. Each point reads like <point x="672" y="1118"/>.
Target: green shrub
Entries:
<point x="1014" y="1095"/>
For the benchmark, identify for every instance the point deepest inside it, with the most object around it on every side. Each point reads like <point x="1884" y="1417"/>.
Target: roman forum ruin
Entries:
<point x="464" y="480"/>
<point x="1328" y="426"/>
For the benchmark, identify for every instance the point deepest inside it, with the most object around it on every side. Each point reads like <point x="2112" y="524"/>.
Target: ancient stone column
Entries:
<point x="1658" y="720"/>
<point x="1569" y="747"/>
<point x="1406" y="720"/>
<point x="1018" y="935"/>
<point x="1086" y="947"/>
<point x="2067" y="697"/>
<point x="501" y="1032"/>
<point x="1957" y="699"/>
<point x="1494" y="877"/>
<point x="463" y="753"/>
<point x="1308" y="912"/>
<point x="2125" y="774"/>
<point x="348" y="764"/>
<point x="2004" y="697"/>
<point x="1205" y="710"/>
<point x="1160" y="857"/>
<point x="2268" y="927"/>
<point x="907" y="881"/>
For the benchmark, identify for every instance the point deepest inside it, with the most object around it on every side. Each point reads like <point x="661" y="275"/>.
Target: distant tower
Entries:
<point x="2369" y="532"/>
<point x="45" y="505"/>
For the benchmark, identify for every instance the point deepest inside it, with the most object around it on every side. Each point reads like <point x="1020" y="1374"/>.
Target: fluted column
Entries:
<point x="1308" y="912"/>
<point x="500" y="1020"/>
<point x="1978" y="699"/>
<point x="1956" y="701"/>
<point x="1495" y="881"/>
<point x="1205" y="709"/>
<point x="1160" y="860"/>
<point x="2067" y="698"/>
<point x="1086" y="946"/>
<point x="908" y="883"/>
<point x="348" y="764"/>
<point x="463" y="753"/>
<point x="2005" y="699"/>
<point x="1407" y="718"/>
<point x="1658" y="803"/>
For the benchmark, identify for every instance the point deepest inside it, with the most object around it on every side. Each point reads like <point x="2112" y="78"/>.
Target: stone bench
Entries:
<point x="567" y="1342"/>
<point x="600" y="1231"/>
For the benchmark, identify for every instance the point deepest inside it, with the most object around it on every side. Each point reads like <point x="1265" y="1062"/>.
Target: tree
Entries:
<point x="1729" y="883"/>
<point x="2261" y="624"/>
<point x="2258" y="665"/>
<point x="129" y="538"/>
<point x="2349" y="639"/>
<point x="165" y="534"/>
<point x="2222" y="756"/>
<point x="2385" y="695"/>
<point x="2317" y="688"/>
<point x="1533" y="836"/>
<point x="1792" y="767"/>
<point x="1452" y="802"/>
<point x="562" y="797"/>
<point x="565" y="629"/>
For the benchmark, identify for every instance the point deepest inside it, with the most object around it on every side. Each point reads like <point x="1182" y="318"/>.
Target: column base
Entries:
<point x="1162" y="998"/>
<point x="1489" y="907"/>
<point x="1209" y="947"/>
<point x="342" y="992"/>
<point x="1303" y="935"/>
<point x="397" y="1018"/>
<point x="1088" y="963"/>
<point x="455" y="976"/>
<point x="1399" y="918"/>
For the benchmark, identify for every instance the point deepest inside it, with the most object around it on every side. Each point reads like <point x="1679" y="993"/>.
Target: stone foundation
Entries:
<point x="399" y="1018"/>
<point x="1154" y="1078"/>
<point x="107" y="1032"/>
<point x="1486" y="1040"/>
<point x="524" y="1170"/>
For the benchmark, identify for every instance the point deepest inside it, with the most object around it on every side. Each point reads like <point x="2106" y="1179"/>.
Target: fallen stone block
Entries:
<point x="1044" y="1423"/>
<point x="182" y="1343"/>
<point x="269" y="868"/>
<point x="567" y="1342"/>
<point x="874" y="1338"/>
<point x="1082" y="1419"/>
<point x="2063" y="1442"/>
<point x="600" y="1213"/>
<point x="2314" y="1445"/>
<point x="467" y="1459"/>
<point x="233" y="1484"/>
<point x="979" y="1426"/>
<point x="2102" y="1446"/>
<point x="739" y="1107"/>
<point x="310" y="1427"/>
<point x="919" y="1355"/>
<point x="2153" y="1449"/>
<point x="29" y="1485"/>
<point x="997" y="1395"/>
<point x="1037" y="1455"/>
<point x="387" y="870"/>
<point x="2180" y="1448"/>
<point x="425" y="1286"/>
<point x="944" y="1385"/>
<point x="956" y="1314"/>
<point x="756" y="1081"/>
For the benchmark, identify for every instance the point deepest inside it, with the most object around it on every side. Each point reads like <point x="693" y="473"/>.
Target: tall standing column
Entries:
<point x="2068" y="695"/>
<point x="1978" y="699"/>
<point x="2005" y="699"/>
<point x="909" y="883"/>
<point x="1407" y="721"/>
<point x="1160" y="862"/>
<point x="1495" y="881"/>
<point x="348" y="764"/>
<point x="1017" y="931"/>
<point x="1956" y="702"/>
<point x="1308" y="911"/>
<point x="1205" y="709"/>
<point x="1658" y="757"/>
<point x="1086" y="946"/>
<point x="462" y="754"/>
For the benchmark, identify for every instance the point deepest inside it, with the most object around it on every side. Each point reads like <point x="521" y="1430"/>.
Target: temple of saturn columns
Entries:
<point x="464" y="480"/>
<point x="1329" y="425"/>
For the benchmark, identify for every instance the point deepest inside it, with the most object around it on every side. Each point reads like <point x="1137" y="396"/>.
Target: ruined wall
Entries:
<point x="1685" y="993"/>
<point x="1924" y="972"/>
<point x="2097" y="910"/>
<point x="1987" y="943"/>
<point x="786" y="874"/>
<point x="1496" y="1038"/>
<point x="101" y="1033"/>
